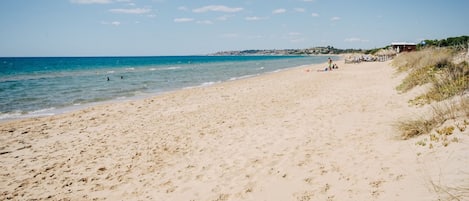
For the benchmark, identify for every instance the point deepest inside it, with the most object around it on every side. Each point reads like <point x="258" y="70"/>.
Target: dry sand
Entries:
<point x="291" y="135"/>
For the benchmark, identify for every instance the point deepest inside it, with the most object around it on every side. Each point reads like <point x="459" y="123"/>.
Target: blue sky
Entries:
<point x="188" y="27"/>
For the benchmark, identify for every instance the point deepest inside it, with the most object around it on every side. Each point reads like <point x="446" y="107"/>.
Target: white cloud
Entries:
<point x="335" y="18"/>
<point x="183" y="8"/>
<point x="315" y="14"/>
<point x="114" y="23"/>
<point x="204" y="22"/>
<point x="183" y="20"/>
<point x="255" y="18"/>
<point x="130" y="11"/>
<point x="91" y="1"/>
<point x="300" y="10"/>
<point x="217" y="8"/>
<point x="355" y="39"/>
<point x="279" y="11"/>
<point x="309" y="0"/>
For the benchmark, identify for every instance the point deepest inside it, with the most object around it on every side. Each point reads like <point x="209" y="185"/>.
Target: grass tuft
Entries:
<point x="415" y="127"/>
<point x="440" y="113"/>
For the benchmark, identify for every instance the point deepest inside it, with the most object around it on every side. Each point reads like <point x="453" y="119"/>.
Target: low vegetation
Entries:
<point x="447" y="82"/>
<point x="440" y="113"/>
<point x="435" y="67"/>
<point x="459" y="42"/>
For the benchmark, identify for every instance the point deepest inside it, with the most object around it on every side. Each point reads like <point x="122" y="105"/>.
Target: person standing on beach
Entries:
<point x="330" y="63"/>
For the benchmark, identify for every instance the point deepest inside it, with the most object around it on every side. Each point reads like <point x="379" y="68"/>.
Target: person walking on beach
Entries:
<point x="330" y="63"/>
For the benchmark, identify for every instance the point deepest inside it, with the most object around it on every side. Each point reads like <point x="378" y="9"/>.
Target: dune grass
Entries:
<point x="439" y="114"/>
<point x="446" y="80"/>
<point x="433" y="66"/>
<point x="423" y="58"/>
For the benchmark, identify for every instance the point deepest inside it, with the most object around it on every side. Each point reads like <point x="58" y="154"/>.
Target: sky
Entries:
<point x="197" y="27"/>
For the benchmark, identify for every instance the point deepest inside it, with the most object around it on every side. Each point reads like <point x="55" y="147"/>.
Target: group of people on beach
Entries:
<point x="330" y="66"/>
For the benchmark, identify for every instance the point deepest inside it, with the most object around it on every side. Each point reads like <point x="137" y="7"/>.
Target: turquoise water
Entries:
<point x="43" y="86"/>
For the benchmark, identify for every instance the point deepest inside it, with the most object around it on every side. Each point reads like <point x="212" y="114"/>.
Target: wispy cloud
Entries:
<point x="91" y="1"/>
<point x="179" y="20"/>
<point x="300" y="10"/>
<point x="335" y="18"/>
<point x="256" y="37"/>
<point x="315" y="14"/>
<point x="297" y="40"/>
<point x="204" y="22"/>
<point x="355" y="39"/>
<point x="255" y="18"/>
<point x="130" y="11"/>
<point x="114" y="23"/>
<point x="183" y="8"/>
<point x="224" y="17"/>
<point x="279" y="11"/>
<point x="217" y="8"/>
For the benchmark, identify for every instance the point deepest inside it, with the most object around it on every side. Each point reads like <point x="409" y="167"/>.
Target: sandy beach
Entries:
<point x="289" y="135"/>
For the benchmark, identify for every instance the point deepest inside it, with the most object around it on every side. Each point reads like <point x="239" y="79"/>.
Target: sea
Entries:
<point x="43" y="86"/>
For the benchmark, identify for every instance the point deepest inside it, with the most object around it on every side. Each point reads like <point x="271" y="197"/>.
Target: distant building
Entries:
<point x="403" y="47"/>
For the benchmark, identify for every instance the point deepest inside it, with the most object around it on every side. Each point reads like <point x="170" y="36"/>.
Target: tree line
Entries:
<point x="457" y="42"/>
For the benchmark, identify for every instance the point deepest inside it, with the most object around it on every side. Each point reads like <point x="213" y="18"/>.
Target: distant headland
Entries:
<point x="305" y="51"/>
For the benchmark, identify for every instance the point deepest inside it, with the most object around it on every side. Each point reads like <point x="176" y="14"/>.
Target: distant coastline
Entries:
<point x="287" y="52"/>
<point x="458" y="42"/>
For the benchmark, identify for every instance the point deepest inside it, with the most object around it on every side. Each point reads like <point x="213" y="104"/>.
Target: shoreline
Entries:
<point x="291" y="135"/>
<point x="65" y="107"/>
<point x="45" y="112"/>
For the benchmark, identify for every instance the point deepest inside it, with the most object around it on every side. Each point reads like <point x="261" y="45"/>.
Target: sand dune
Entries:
<point x="290" y="135"/>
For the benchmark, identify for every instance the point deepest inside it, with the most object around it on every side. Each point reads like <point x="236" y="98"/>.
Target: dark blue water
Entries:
<point x="30" y="86"/>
